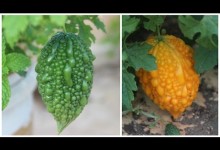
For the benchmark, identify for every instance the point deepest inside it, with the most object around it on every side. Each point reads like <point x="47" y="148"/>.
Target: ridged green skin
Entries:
<point x="65" y="76"/>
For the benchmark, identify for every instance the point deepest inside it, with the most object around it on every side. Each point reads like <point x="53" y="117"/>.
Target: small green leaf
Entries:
<point x="171" y="130"/>
<point x="205" y="59"/>
<point x="77" y="25"/>
<point x="58" y="19"/>
<point x="128" y="86"/>
<point x="154" y="22"/>
<point x="85" y="33"/>
<point x="17" y="62"/>
<point x="35" y="19"/>
<point x="129" y="24"/>
<point x="13" y="26"/>
<point x="6" y="91"/>
<point x="138" y="57"/>
<point x="99" y="24"/>
<point x="207" y="28"/>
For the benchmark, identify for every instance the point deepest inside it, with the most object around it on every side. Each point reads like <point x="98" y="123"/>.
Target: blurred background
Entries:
<point x="26" y="113"/>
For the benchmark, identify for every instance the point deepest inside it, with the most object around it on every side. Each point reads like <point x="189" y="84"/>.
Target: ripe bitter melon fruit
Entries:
<point x="174" y="84"/>
<point x="65" y="77"/>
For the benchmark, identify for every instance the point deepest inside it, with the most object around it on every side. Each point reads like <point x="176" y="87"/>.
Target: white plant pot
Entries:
<point x="17" y="114"/>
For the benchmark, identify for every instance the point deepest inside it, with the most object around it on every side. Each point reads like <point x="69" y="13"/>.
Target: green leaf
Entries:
<point x="5" y="70"/>
<point x="207" y="28"/>
<point x="4" y="66"/>
<point x="58" y="19"/>
<point x="35" y="19"/>
<point x="138" y="57"/>
<point x="13" y="26"/>
<point x="205" y="59"/>
<point x="171" y="130"/>
<point x="6" y="91"/>
<point x="71" y="28"/>
<point x="99" y="24"/>
<point x="124" y="56"/>
<point x="77" y="25"/>
<point x="44" y="32"/>
<point x="33" y="48"/>
<point x="3" y="50"/>
<point x="17" y="62"/>
<point x="153" y="23"/>
<point x="72" y="25"/>
<point x="128" y="86"/>
<point x="85" y="33"/>
<point x="129" y="25"/>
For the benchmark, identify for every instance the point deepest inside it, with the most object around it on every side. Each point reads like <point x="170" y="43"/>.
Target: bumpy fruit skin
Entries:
<point x="174" y="85"/>
<point x="65" y="76"/>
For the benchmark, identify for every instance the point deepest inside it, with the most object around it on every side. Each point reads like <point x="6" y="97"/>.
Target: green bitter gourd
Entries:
<point x="65" y="77"/>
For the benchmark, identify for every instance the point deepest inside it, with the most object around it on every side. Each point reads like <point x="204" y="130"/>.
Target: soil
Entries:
<point x="201" y="118"/>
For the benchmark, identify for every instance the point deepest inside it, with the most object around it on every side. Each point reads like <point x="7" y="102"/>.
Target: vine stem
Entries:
<point x="64" y="28"/>
<point x="158" y="33"/>
<point x="124" y="42"/>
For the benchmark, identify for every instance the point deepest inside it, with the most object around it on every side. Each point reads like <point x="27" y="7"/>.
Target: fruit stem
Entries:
<point x="158" y="34"/>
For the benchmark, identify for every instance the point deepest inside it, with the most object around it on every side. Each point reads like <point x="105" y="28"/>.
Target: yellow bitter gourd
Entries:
<point x="174" y="85"/>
